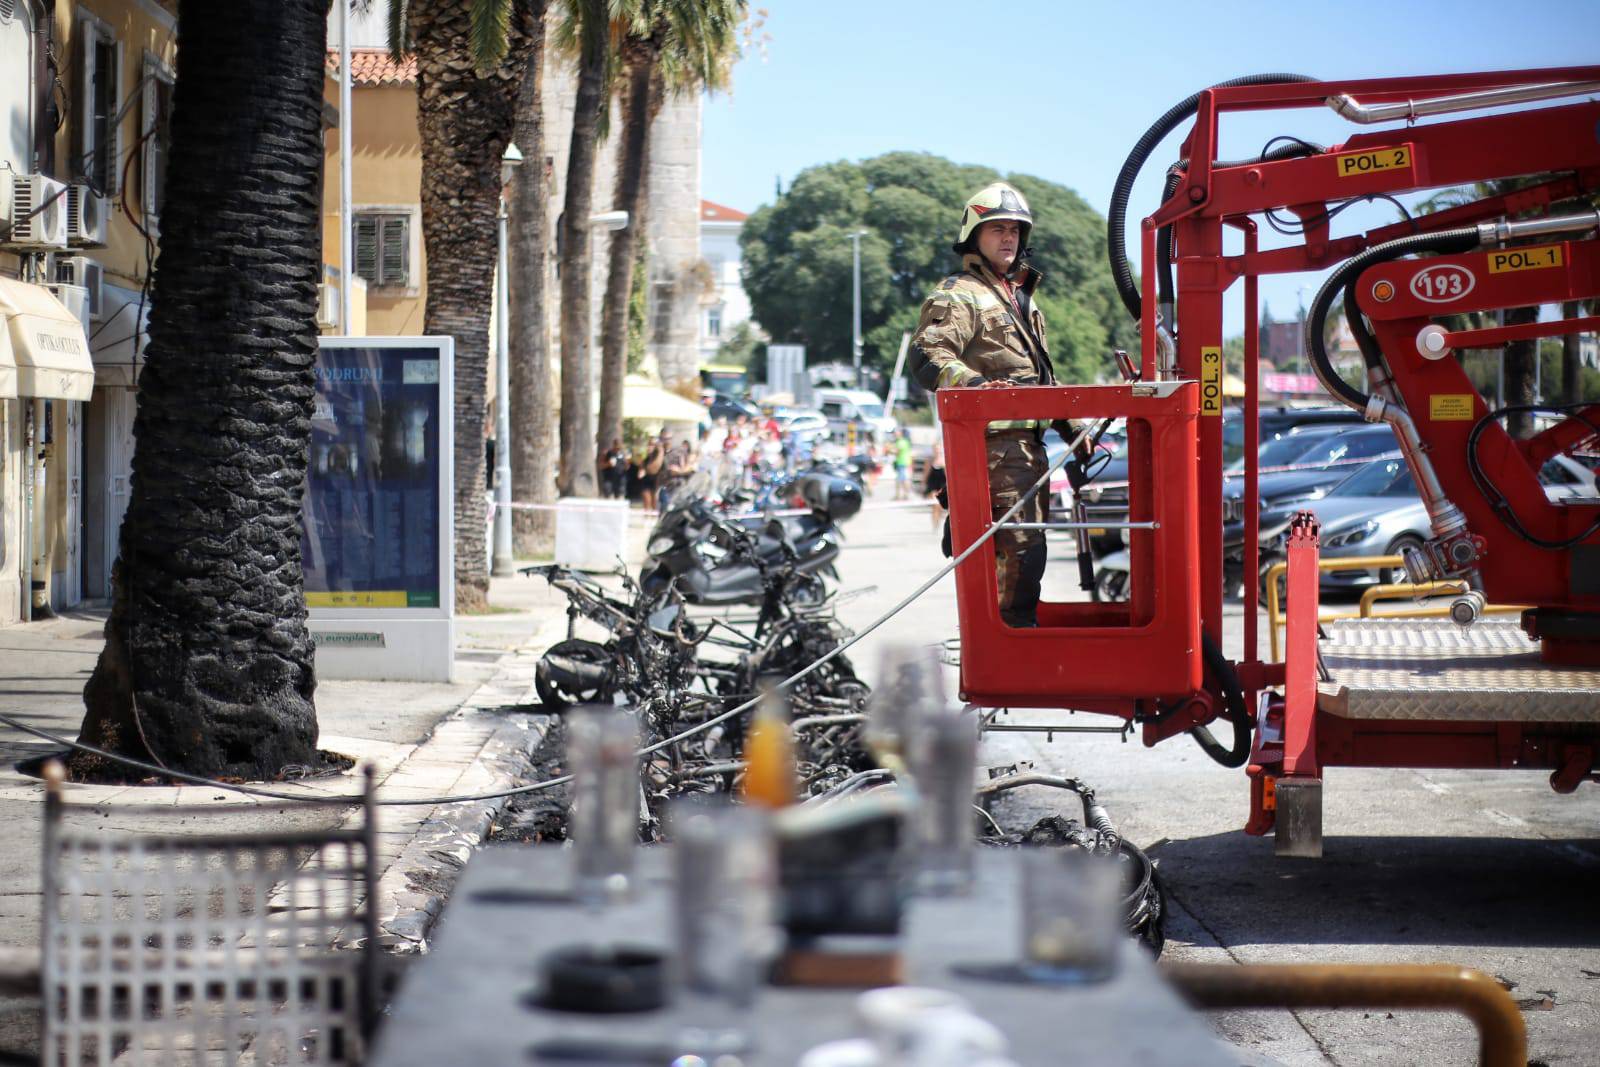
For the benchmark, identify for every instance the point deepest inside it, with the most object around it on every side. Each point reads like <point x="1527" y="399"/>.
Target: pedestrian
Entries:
<point x="902" y="465"/>
<point x="980" y="328"/>
<point x="676" y="466"/>
<point x="933" y="486"/>
<point x="614" y="470"/>
<point x="655" y="456"/>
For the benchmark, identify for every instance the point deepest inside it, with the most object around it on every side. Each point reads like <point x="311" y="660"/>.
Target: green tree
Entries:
<point x="208" y="665"/>
<point x="797" y="259"/>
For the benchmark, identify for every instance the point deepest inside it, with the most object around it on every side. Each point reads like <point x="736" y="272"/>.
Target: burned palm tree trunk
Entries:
<point x="533" y="408"/>
<point x="578" y="454"/>
<point x="640" y="94"/>
<point x="465" y="117"/>
<point x="207" y="665"/>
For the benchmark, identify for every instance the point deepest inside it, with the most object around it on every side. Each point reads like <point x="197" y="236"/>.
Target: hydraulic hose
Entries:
<point x="1164" y="287"/>
<point x="1444" y="242"/>
<point x="1117" y="216"/>
<point x="1237" y="754"/>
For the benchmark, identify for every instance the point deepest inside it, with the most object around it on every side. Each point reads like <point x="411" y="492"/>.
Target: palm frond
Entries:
<point x="490" y="33"/>
<point x="399" y="29"/>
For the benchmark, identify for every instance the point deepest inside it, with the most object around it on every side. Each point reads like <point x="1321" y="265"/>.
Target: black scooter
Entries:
<point x="689" y="546"/>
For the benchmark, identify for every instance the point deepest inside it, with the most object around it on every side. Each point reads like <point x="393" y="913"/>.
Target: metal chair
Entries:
<point x="177" y="949"/>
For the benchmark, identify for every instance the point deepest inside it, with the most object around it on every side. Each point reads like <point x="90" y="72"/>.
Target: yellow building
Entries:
<point x="385" y="196"/>
<point x="86" y="91"/>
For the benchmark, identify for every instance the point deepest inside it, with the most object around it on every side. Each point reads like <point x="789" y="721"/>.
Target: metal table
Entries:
<point x="467" y="1002"/>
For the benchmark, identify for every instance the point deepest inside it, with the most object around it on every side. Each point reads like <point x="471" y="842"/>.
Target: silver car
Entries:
<point x="1377" y="512"/>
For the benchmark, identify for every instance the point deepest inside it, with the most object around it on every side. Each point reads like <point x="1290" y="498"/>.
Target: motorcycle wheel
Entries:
<point x="1110" y="585"/>
<point x="808" y="592"/>
<point x="558" y="697"/>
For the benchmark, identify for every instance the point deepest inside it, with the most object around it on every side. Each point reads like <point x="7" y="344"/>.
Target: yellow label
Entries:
<point x="1509" y="259"/>
<point x="387" y="598"/>
<point x="1450" y="407"/>
<point x="1210" y="381"/>
<point x="1353" y="164"/>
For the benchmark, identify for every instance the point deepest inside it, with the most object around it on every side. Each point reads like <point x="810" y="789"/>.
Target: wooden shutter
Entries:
<point x="366" y="248"/>
<point x="396" y="250"/>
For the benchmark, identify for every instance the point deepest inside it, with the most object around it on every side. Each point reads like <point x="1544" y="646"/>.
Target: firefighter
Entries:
<point x="981" y="329"/>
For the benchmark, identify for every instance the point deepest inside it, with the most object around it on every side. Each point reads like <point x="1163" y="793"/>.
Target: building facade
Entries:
<point x="86" y="89"/>
<point x="726" y="305"/>
<point x="386" y="175"/>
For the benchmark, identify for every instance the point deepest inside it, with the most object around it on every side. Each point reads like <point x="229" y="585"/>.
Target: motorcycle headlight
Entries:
<point x="659" y="546"/>
<point x="1353" y="535"/>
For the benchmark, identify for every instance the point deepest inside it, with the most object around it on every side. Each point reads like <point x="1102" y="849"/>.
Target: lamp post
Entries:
<point x="1300" y="346"/>
<point x="855" y="303"/>
<point x="502" y="563"/>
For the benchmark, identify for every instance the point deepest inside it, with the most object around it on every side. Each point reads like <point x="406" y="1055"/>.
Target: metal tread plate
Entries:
<point x="1432" y="669"/>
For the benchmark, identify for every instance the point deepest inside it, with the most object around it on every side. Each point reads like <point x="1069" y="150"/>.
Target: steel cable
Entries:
<point x="356" y="798"/>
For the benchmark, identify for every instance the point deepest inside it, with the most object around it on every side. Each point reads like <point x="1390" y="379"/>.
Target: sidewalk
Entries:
<point x="470" y="736"/>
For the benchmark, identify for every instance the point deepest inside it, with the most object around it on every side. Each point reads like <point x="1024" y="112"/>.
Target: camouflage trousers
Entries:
<point x="1016" y="461"/>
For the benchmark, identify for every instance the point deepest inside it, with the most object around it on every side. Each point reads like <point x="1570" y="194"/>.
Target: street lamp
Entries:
<point x="502" y="563"/>
<point x="855" y="291"/>
<point x="601" y="222"/>
<point x="1300" y="345"/>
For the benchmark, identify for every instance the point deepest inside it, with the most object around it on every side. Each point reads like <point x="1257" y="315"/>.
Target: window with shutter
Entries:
<point x="156" y="135"/>
<point x="99" y="96"/>
<point x="383" y="248"/>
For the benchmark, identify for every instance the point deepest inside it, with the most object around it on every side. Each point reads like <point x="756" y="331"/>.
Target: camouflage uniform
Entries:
<point x="969" y="333"/>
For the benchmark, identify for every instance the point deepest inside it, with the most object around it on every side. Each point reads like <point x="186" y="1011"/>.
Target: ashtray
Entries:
<point x="603" y="979"/>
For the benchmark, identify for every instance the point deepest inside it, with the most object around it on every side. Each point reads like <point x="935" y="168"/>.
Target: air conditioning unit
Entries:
<point x="38" y="213"/>
<point x="85" y="272"/>
<point x="327" y="306"/>
<point x="74" y="299"/>
<point x="87" y="213"/>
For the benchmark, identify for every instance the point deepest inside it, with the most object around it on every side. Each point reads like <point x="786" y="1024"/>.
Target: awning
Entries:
<point x="649" y="403"/>
<point x="48" y="345"/>
<point x="8" y="366"/>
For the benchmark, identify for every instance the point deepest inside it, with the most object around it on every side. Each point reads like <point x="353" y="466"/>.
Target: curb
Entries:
<point x="485" y="745"/>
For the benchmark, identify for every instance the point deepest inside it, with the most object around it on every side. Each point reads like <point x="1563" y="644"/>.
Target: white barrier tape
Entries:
<point x="642" y="513"/>
<point x="1058" y="485"/>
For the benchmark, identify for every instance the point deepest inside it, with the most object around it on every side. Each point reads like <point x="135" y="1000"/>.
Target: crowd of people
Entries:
<point x="726" y="456"/>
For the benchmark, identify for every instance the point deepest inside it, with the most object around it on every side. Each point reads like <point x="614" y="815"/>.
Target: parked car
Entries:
<point x="728" y="407"/>
<point x="1277" y="422"/>
<point x="844" y="408"/>
<point x="803" y="422"/>
<point x="1377" y="512"/>
<point x="1107" y="495"/>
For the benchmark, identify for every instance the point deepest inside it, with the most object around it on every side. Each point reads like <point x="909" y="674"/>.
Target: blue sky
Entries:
<point x="1062" y="90"/>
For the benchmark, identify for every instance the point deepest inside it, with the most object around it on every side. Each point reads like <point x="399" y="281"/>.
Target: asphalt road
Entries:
<point x="1490" y="870"/>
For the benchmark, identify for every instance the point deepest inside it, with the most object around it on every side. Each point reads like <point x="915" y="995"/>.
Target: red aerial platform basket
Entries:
<point x="1105" y="655"/>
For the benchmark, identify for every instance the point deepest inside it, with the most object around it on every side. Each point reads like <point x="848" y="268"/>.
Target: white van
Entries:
<point x="846" y="407"/>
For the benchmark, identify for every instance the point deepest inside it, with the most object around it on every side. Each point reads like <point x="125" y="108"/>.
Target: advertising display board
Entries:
<point x="377" y="546"/>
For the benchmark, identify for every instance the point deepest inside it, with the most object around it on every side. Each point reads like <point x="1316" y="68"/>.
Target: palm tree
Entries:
<point x="532" y="414"/>
<point x="208" y="665"/>
<point x="670" y="45"/>
<point x="470" y="61"/>
<point x="587" y="30"/>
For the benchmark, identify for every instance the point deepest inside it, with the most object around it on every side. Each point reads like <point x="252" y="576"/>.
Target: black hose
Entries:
<point x="1444" y="242"/>
<point x="1371" y="354"/>
<point x="1295" y="149"/>
<point x="1497" y="500"/>
<point x="1237" y="754"/>
<point x="1117" y="217"/>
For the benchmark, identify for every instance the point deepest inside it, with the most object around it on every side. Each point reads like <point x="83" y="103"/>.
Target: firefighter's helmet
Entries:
<point x="989" y="204"/>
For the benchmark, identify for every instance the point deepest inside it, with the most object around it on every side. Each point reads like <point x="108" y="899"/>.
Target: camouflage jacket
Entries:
<point x="969" y="333"/>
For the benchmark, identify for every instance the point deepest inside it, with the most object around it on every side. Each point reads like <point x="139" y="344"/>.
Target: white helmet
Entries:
<point x="992" y="203"/>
